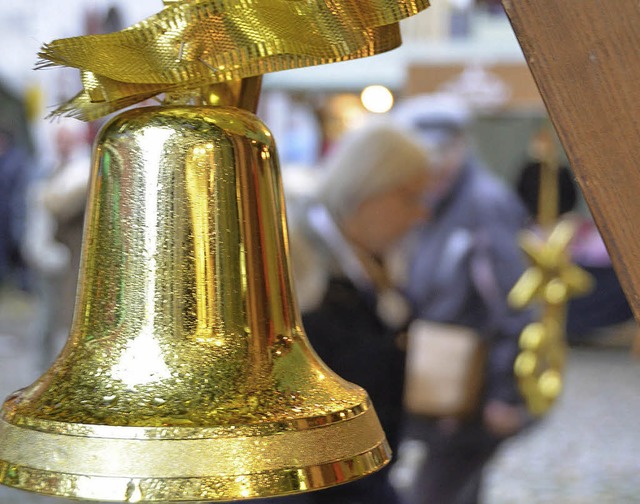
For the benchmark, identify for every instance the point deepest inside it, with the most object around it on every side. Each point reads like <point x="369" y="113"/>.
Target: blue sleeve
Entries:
<point x="499" y="248"/>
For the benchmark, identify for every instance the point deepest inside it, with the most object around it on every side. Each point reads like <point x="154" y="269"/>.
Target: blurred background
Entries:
<point x="587" y="450"/>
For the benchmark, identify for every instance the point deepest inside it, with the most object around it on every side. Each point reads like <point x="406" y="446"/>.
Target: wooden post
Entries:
<point x="585" y="58"/>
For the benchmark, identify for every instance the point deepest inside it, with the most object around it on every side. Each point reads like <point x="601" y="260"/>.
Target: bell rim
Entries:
<point x="280" y="464"/>
<point x="279" y="482"/>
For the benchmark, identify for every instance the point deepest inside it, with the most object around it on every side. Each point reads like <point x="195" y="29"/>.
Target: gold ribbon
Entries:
<point x="192" y="44"/>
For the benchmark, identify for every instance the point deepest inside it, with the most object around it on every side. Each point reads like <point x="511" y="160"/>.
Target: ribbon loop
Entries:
<point x="194" y="43"/>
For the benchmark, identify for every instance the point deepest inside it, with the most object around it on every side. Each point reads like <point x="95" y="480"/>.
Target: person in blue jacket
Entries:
<point x="460" y="266"/>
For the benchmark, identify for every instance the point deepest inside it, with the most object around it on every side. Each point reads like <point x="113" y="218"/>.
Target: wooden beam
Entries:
<point x="585" y="58"/>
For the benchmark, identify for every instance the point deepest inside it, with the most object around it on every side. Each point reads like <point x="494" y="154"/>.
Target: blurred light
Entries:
<point x="376" y="99"/>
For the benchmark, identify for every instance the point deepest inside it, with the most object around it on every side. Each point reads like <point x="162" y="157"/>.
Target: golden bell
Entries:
<point x="187" y="374"/>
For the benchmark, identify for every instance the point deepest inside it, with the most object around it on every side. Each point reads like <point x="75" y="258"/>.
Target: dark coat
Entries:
<point x="14" y="178"/>
<point x="351" y="339"/>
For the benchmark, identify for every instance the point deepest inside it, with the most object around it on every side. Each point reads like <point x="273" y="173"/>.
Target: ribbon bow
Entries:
<point x="192" y="44"/>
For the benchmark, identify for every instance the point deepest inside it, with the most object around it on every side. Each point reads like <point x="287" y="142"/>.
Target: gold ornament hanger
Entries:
<point x="550" y="282"/>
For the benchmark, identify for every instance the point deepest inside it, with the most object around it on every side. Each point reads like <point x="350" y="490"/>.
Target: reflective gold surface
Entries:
<point x="187" y="374"/>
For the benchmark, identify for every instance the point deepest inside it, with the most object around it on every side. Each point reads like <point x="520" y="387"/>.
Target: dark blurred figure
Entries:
<point x="460" y="267"/>
<point x="53" y="242"/>
<point x="14" y="180"/>
<point x="370" y="195"/>
<point x="528" y="188"/>
<point x="606" y="305"/>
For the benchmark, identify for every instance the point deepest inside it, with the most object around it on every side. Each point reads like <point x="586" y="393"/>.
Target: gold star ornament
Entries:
<point x="551" y="281"/>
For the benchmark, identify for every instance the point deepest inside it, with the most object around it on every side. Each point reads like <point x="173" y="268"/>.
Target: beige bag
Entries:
<point x="444" y="369"/>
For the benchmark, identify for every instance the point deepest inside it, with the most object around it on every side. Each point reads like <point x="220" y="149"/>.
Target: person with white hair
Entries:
<point x="369" y="196"/>
<point x="460" y="267"/>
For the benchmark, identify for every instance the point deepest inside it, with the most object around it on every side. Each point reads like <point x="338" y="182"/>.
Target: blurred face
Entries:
<point x="450" y="158"/>
<point x="384" y="218"/>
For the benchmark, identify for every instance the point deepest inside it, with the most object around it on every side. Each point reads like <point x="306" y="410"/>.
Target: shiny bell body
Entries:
<point x="187" y="375"/>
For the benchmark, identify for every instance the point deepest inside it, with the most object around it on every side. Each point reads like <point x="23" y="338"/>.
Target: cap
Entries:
<point x="434" y="117"/>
